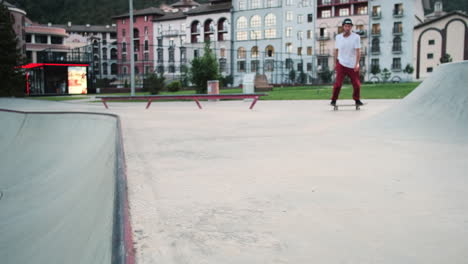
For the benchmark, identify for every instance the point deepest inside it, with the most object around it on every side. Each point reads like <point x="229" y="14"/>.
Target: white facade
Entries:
<point x="391" y="40"/>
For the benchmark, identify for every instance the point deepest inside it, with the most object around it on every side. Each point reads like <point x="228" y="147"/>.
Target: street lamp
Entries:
<point x="132" y="51"/>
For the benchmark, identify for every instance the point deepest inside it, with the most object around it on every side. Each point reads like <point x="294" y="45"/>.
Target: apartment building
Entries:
<point x="258" y="39"/>
<point x="330" y="16"/>
<point x="143" y="40"/>
<point x="182" y="32"/>
<point x="101" y="42"/>
<point x="391" y="37"/>
<point x="441" y="34"/>
<point x="18" y="17"/>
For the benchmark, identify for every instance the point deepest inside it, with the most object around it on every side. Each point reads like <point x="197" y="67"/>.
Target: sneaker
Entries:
<point x="358" y="102"/>
<point x="333" y="102"/>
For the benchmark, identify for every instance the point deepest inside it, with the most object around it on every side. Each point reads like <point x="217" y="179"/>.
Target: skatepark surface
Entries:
<point x="287" y="182"/>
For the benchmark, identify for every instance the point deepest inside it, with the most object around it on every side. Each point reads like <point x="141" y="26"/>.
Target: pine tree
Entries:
<point x="10" y="58"/>
<point x="204" y="69"/>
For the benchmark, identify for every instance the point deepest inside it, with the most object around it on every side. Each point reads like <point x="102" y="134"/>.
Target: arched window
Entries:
<point x="241" y="22"/>
<point x="136" y="33"/>
<point x="270" y="20"/>
<point x="195" y="31"/>
<point x="396" y="44"/>
<point x="223" y="29"/>
<point x="256" y="21"/>
<point x="114" y="68"/>
<point x="113" y="54"/>
<point x="269" y="51"/>
<point x="254" y="52"/>
<point x="241" y="54"/>
<point x="271" y="3"/>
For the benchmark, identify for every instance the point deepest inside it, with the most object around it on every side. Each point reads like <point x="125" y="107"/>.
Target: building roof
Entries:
<point x="88" y="28"/>
<point x="440" y="18"/>
<point x="46" y="30"/>
<point x="142" y="12"/>
<point x="171" y="16"/>
<point x="185" y="3"/>
<point x="213" y="7"/>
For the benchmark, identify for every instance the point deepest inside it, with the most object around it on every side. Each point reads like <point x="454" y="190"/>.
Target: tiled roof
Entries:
<point x="171" y="16"/>
<point x="210" y="8"/>
<point x="142" y="12"/>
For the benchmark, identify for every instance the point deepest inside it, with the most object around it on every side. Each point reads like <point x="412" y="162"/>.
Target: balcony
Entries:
<point x="375" y="50"/>
<point x="397" y="31"/>
<point x="398" y="13"/>
<point x="375" y="33"/>
<point x="338" y="2"/>
<point x="376" y="14"/>
<point x="172" y="33"/>
<point x="362" y="33"/>
<point x="323" y="36"/>
<point x="322" y="52"/>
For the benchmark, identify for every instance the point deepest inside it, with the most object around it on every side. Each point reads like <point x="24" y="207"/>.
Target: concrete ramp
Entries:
<point x="59" y="199"/>
<point x="436" y="110"/>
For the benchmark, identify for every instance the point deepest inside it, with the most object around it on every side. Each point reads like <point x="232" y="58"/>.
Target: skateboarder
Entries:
<point x="347" y="55"/>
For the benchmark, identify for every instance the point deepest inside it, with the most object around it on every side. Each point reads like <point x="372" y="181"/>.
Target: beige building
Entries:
<point x="330" y="16"/>
<point x="437" y="36"/>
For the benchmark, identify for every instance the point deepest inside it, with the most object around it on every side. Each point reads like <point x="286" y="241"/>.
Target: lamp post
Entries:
<point x="132" y="51"/>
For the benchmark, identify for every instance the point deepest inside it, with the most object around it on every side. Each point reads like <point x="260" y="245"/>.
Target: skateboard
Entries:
<point x="335" y="107"/>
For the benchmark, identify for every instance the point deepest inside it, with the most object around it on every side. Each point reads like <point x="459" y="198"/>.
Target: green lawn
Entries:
<point x="368" y="91"/>
<point x="58" y="98"/>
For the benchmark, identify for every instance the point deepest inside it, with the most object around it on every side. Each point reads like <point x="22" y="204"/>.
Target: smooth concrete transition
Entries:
<point x="291" y="181"/>
<point x="58" y="179"/>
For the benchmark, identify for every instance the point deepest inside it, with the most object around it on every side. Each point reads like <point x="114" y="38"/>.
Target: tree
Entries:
<point x="204" y="69"/>
<point x="292" y="76"/>
<point x="11" y="75"/>
<point x="326" y="75"/>
<point x="154" y="83"/>
<point x="385" y="74"/>
<point x="408" y="69"/>
<point x="446" y="58"/>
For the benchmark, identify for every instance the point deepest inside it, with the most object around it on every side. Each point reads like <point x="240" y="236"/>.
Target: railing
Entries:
<point x="167" y="33"/>
<point x="324" y="36"/>
<point x="322" y="52"/>
<point x="398" y="12"/>
<point x="375" y="50"/>
<point x="375" y="33"/>
<point x="396" y="66"/>
<point x="338" y="2"/>
<point x="397" y="31"/>
<point x="397" y="50"/>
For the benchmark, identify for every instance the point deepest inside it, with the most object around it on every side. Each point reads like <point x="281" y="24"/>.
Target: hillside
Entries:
<point x="101" y="11"/>
<point x="81" y="11"/>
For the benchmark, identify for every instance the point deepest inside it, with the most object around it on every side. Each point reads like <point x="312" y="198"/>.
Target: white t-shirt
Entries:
<point x="347" y="49"/>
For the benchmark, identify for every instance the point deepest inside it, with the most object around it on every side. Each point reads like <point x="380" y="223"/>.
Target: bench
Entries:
<point x="195" y="97"/>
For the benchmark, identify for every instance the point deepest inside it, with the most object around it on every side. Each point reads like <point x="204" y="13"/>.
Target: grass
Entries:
<point x="58" y="98"/>
<point x="368" y="91"/>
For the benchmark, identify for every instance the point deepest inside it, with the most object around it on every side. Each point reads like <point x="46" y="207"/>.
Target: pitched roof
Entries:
<point x="171" y="16"/>
<point x="210" y="8"/>
<point x="142" y="12"/>
<point x="440" y="18"/>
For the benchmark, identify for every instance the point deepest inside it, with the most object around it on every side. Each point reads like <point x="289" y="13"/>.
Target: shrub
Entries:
<point x="174" y="86"/>
<point x="154" y="83"/>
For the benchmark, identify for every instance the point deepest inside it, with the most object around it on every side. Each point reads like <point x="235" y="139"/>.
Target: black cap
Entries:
<point x="347" y="21"/>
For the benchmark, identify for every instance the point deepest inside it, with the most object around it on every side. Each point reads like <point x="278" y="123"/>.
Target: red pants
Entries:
<point x="341" y="72"/>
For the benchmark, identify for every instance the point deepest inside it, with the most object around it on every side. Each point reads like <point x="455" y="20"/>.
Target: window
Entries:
<point x="376" y="29"/>
<point x="254" y="52"/>
<point x="241" y="23"/>
<point x="289" y="47"/>
<point x="375" y="45"/>
<point x="256" y="21"/>
<point x="326" y="13"/>
<point x="222" y="65"/>
<point x="289" y="16"/>
<point x="270" y="51"/>
<point x="396" y="44"/>
<point x="396" y="65"/>
<point x="300" y="19"/>
<point x="310" y="17"/>
<point x="241" y="53"/>
<point x="376" y="11"/>
<point x="242" y="4"/>
<point x="429" y="69"/>
<point x="288" y="32"/>
<point x="270" y="20"/>
<point x="171" y="54"/>
<point x="146" y="18"/>
<point x="397" y="27"/>
<point x="299" y="51"/>
<point x="309" y="34"/>
<point x="398" y="10"/>
<point x="222" y="52"/>
<point x="256" y="4"/>
<point x="289" y="2"/>
<point x="361" y="10"/>
<point x="309" y="51"/>
<point x="146" y="45"/>
<point x="309" y="67"/>
<point x="124" y="33"/>
<point x="322" y="64"/>
<point x="242" y="35"/>
<point x="430" y="55"/>
<point x="146" y="31"/>
<point x="254" y="65"/>
<point x="241" y="66"/>
<point x="431" y="42"/>
<point x="195" y="53"/>
<point x="300" y="34"/>
<point x="289" y="64"/>
<point x="344" y="12"/>
<point x="270" y="33"/>
<point x="124" y="47"/>
<point x="255" y="34"/>
<point x="271" y="3"/>
<point x="123" y="21"/>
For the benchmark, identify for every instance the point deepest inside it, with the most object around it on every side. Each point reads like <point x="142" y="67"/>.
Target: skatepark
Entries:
<point x="286" y="182"/>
